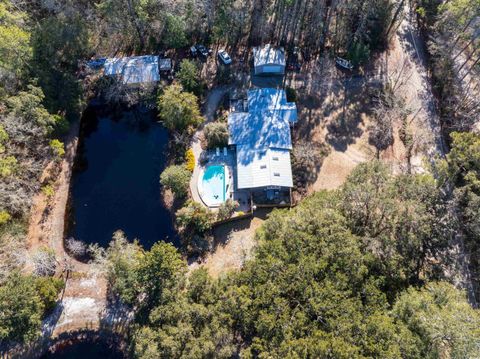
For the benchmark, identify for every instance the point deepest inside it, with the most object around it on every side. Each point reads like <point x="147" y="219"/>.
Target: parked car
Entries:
<point x="224" y="57"/>
<point x="202" y="50"/>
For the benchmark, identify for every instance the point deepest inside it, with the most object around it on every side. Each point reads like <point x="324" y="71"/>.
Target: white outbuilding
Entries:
<point x="269" y="60"/>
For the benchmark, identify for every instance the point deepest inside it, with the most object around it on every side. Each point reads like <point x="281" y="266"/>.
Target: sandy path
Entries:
<point x="47" y="228"/>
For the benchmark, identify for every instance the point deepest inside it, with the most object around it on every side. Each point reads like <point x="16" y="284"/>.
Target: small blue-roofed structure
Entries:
<point x="263" y="140"/>
<point x="133" y="70"/>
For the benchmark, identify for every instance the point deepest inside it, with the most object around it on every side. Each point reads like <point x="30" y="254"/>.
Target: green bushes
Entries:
<point x="57" y="148"/>
<point x="194" y="217"/>
<point x="21" y="309"/>
<point x="48" y="289"/>
<point x="216" y="134"/>
<point x="8" y="165"/>
<point x="227" y="209"/>
<point x="48" y="190"/>
<point x="4" y="217"/>
<point x="178" y="110"/>
<point x="177" y="179"/>
<point x="3" y="139"/>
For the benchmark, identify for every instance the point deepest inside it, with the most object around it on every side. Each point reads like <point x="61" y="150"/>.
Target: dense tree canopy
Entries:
<point x="178" y="110"/>
<point x="23" y="302"/>
<point x="402" y="219"/>
<point x="461" y="172"/>
<point x="443" y="322"/>
<point x="177" y="179"/>
<point x="313" y="289"/>
<point x="189" y="76"/>
<point x="357" y="272"/>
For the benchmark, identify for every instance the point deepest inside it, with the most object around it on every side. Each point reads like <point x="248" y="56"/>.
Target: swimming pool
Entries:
<point x="212" y="185"/>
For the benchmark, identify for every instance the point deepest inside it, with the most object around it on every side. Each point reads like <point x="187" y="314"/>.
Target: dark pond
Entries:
<point x="116" y="180"/>
<point x="86" y="349"/>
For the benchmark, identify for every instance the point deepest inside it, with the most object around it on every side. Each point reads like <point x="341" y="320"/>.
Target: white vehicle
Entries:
<point x="224" y="57"/>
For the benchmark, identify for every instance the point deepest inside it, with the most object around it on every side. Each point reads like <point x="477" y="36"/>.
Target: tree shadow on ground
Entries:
<point x="345" y="128"/>
<point x="307" y="161"/>
<point x="116" y="317"/>
<point x="222" y="232"/>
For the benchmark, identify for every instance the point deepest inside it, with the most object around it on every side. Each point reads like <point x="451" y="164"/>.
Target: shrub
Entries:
<point x="216" y="134"/>
<point x="197" y="245"/>
<point x="48" y="289"/>
<point x="8" y="166"/>
<point x="75" y="247"/>
<point x="4" y="217"/>
<point x="227" y="209"/>
<point x="193" y="216"/>
<point x="62" y="125"/>
<point x="177" y="179"/>
<point x="48" y="191"/>
<point x="3" y="138"/>
<point x="57" y="148"/>
<point x="44" y="262"/>
<point x="190" y="159"/>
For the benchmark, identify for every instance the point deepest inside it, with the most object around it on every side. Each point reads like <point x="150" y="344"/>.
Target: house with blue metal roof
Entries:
<point x="262" y="138"/>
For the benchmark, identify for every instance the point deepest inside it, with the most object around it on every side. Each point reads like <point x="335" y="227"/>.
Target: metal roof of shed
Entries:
<point x="133" y="70"/>
<point x="268" y="55"/>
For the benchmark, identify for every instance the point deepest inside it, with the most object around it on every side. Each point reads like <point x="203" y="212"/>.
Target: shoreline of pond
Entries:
<point x="97" y="110"/>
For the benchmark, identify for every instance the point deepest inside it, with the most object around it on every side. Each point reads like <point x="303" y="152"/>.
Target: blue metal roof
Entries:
<point x="133" y="70"/>
<point x="267" y="122"/>
<point x="263" y="139"/>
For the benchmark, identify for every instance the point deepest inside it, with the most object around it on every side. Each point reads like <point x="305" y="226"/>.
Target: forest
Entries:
<point x="360" y="271"/>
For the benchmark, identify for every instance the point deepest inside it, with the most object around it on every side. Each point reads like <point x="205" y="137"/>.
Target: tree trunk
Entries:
<point x="395" y="17"/>
<point x="135" y="21"/>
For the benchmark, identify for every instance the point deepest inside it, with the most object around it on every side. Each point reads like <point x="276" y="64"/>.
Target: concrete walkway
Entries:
<point x="211" y="105"/>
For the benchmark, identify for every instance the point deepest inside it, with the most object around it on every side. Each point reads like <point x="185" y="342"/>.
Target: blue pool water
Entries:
<point x="213" y="185"/>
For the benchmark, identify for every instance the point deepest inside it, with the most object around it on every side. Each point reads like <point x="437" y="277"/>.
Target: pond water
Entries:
<point x="86" y="349"/>
<point x="115" y="184"/>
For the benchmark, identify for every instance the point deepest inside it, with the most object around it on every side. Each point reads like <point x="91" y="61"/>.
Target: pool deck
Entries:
<point x="242" y="197"/>
<point x="214" y="98"/>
